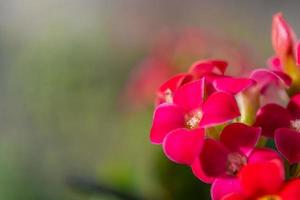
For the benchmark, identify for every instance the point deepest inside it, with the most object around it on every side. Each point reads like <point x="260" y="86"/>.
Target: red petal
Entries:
<point x="213" y="158"/>
<point x="166" y="118"/>
<point x="294" y="106"/>
<point x="259" y="155"/>
<point x="183" y="146"/>
<point x="219" y="108"/>
<point x="198" y="172"/>
<point x="239" y="137"/>
<point x="265" y="77"/>
<point x="291" y="191"/>
<point x="172" y="84"/>
<point x="221" y="65"/>
<point x="287" y="142"/>
<point x="203" y="67"/>
<point x="233" y="85"/>
<point x="224" y="186"/>
<point x="262" y="178"/>
<point x="190" y="95"/>
<point x="270" y="117"/>
<point x="282" y="36"/>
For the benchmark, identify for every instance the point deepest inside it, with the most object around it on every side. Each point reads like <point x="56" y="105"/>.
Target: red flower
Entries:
<point x="222" y="158"/>
<point x="265" y="181"/>
<point x="226" y="185"/>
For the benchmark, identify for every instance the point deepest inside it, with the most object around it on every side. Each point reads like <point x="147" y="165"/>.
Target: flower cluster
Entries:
<point x="240" y="134"/>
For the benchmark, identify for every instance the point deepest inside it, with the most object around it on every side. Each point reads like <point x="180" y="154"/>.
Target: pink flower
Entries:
<point x="284" y="125"/>
<point x="264" y="181"/>
<point x="173" y="123"/>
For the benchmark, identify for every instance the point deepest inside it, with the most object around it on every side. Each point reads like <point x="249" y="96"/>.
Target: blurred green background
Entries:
<point x="63" y="67"/>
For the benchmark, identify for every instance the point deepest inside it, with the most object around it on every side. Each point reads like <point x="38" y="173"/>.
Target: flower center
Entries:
<point x="168" y="96"/>
<point x="235" y="161"/>
<point x="270" y="197"/>
<point x="192" y="120"/>
<point x="295" y="124"/>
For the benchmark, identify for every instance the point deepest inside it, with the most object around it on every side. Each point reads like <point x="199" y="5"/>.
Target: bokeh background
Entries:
<point x="66" y="130"/>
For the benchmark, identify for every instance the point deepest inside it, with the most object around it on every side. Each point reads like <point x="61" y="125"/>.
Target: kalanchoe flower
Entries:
<point x="188" y="110"/>
<point x="223" y="158"/>
<point x="265" y="181"/>
<point x="173" y="123"/>
<point x="232" y="184"/>
<point x="284" y="125"/>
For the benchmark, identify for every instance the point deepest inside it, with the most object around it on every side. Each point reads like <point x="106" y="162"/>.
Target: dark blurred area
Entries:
<point x="66" y="130"/>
